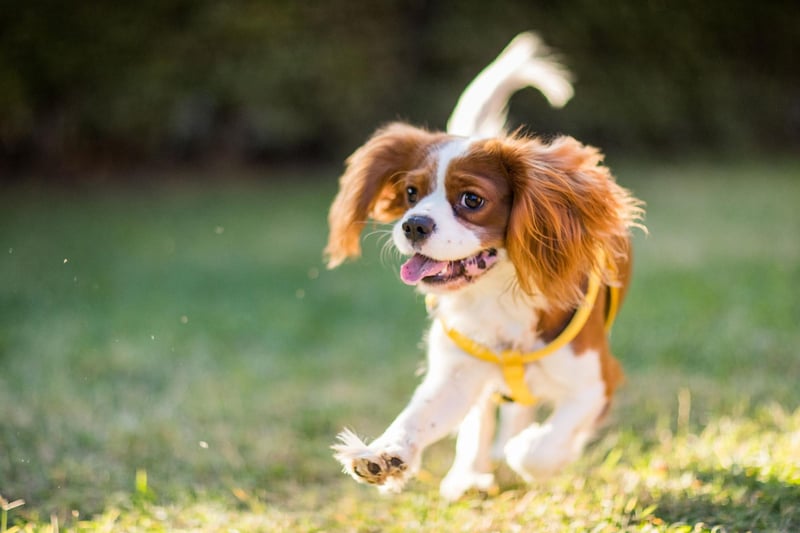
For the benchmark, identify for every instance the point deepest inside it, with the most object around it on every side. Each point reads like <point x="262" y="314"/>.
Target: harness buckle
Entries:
<point x="512" y="364"/>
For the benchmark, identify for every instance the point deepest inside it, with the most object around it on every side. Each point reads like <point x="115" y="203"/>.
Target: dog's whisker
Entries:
<point x="379" y="232"/>
<point x="389" y="254"/>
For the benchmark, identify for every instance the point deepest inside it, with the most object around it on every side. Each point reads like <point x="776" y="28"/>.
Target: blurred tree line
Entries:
<point x="91" y="82"/>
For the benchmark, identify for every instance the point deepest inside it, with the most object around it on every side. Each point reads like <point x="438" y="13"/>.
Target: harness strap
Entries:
<point x="512" y="362"/>
<point x="612" y="308"/>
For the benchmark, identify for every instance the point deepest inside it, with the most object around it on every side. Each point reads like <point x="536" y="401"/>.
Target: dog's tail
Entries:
<point x="482" y="109"/>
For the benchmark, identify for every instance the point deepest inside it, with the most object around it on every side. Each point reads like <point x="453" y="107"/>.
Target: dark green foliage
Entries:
<point x="96" y="81"/>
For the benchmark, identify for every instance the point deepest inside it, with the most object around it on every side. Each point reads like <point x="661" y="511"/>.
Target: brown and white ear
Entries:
<point x="366" y="188"/>
<point x="569" y="217"/>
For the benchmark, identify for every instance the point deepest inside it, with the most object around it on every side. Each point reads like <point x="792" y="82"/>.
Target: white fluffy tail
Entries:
<point x="482" y="109"/>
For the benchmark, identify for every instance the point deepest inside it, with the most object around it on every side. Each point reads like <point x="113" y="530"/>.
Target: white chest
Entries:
<point x="496" y="315"/>
<point x="493" y="312"/>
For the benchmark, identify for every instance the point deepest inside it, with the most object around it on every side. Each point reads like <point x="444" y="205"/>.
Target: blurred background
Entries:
<point x="107" y="85"/>
<point x="173" y="350"/>
<point x="169" y="335"/>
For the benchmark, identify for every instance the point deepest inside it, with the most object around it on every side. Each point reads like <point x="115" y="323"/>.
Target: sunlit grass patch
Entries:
<point x="193" y="336"/>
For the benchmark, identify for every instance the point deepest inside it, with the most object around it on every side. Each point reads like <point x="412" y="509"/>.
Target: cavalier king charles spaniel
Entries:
<point x="522" y="247"/>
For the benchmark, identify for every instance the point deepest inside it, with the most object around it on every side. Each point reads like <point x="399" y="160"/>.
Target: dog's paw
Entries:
<point x="535" y="454"/>
<point x="456" y="483"/>
<point x="385" y="469"/>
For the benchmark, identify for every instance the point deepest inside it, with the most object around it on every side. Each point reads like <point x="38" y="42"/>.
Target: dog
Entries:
<point x="522" y="248"/>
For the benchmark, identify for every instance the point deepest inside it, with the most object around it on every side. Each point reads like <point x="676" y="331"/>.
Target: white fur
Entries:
<point x="483" y="107"/>
<point x="472" y="467"/>
<point x="458" y="388"/>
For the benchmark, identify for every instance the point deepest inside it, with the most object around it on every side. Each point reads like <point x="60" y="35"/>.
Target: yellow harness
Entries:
<point x="512" y="363"/>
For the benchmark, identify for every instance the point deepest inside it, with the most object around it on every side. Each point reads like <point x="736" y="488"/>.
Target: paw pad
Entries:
<point x="366" y="465"/>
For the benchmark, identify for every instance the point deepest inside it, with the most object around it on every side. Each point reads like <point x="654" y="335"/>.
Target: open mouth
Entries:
<point x="423" y="269"/>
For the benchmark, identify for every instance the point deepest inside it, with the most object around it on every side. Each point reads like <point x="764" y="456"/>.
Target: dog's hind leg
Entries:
<point x="541" y="450"/>
<point x="513" y="418"/>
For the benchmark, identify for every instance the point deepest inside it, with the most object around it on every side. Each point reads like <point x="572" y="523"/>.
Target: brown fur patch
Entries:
<point x="568" y="213"/>
<point x="480" y="173"/>
<point x="371" y="185"/>
<point x="593" y="335"/>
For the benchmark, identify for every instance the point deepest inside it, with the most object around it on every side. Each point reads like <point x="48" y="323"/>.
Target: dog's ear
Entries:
<point x="367" y="189"/>
<point x="568" y="217"/>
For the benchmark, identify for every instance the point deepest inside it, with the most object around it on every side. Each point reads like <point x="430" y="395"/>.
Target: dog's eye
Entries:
<point x="413" y="194"/>
<point x="470" y="200"/>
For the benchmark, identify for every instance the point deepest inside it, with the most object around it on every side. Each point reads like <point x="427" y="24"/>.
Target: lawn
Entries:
<point x="175" y="357"/>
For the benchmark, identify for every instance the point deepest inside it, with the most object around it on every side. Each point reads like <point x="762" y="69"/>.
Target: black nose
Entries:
<point x="418" y="228"/>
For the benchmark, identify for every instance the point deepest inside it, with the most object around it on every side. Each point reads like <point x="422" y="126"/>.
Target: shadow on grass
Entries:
<point x="737" y="500"/>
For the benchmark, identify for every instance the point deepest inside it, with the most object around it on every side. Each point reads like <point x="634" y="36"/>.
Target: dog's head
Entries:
<point x="462" y="206"/>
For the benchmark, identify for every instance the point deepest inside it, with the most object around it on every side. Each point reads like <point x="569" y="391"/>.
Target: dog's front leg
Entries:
<point x="452" y="385"/>
<point x="472" y="467"/>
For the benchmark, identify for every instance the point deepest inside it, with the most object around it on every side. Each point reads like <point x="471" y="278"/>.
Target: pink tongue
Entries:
<point x="419" y="267"/>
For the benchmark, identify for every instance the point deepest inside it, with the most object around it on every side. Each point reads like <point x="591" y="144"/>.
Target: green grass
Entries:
<point x="176" y="357"/>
